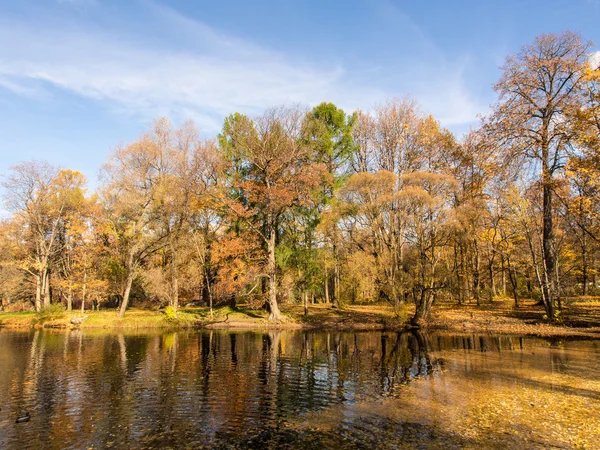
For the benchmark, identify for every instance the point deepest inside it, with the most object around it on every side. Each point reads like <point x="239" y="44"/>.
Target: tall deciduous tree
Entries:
<point x="142" y="192"/>
<point x="539" y="87"/>
<point x="370" y="211"/>
<point x="327" y="131"/>
<point x="270" y="172"/>
<point x="32" y="194"/>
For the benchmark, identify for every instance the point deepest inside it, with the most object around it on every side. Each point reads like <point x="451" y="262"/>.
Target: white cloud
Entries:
<point x="213" y="77"/>
<point x="19" y="87"/>
<point x="227" y="75"/>
<point x="595" y="59"/>
<point x="449" y="97"/>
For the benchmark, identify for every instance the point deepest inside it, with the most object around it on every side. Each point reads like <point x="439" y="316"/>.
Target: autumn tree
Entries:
<point x="539" y="87"/>
<point x="73" y="262"/>
<point x="14" y="286"/>
<point x="474" y="164"/>
<point x="426" y="201"/>
<point x="369" y="210"/>
<point x="40" y="202"/>
<point x="205" y="221"/>
<point x="393" y="142"/>
<point x="144" y="195"/>
<point x="327" y="132"/>
<point x="269" y="173"/>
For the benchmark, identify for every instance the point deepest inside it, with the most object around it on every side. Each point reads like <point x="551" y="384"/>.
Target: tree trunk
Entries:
<point x="305" y="297"/>
<point x="175" y="295"/>
<point x="421" y="302"/>
<point x="476" y="280"/>
<point x="512" y="275"/>
<point x="272" y="274"/>
<point x="125" y="301"/>
<point x="70" y="299"/>
<point x="38" y="293"/>
<point x="503" y="276"/>
<point x="206" y="288"/>
<point x="83" y="292"/>
<point x="459" y="261"/>
<point x="46" y="286"/>
<point x="174" y="276"/>
<point x="549" y="275"/>
<point x="492" y="280"/>
<point x="584" y="268"/>
<point x="336" y="272"/>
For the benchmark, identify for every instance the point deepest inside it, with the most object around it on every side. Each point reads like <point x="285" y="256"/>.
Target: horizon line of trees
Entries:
<point x="305" y="205"/>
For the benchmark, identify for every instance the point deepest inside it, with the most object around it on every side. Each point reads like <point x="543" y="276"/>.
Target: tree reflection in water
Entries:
<point x="216" y="389"/>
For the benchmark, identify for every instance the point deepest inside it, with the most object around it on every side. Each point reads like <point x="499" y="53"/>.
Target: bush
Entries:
<point x="51" y="312"/>
<point x="402" y="314"/>
<point x="170" y="313"/>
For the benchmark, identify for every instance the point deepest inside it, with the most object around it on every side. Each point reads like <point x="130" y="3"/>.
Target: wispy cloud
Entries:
<point x="595" y="59"/>
<point x="214" y="76"/>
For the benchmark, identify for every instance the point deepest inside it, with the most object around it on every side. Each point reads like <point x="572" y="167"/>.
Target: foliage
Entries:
<point x="51" y="312"/>
<point x="170" y="313"/>
<point x="323" y="206"/>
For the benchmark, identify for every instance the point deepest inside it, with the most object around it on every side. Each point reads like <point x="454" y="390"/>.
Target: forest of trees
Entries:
<point x="326" y="206"/>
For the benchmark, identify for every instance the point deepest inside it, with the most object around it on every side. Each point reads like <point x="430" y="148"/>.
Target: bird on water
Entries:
<point x="24" y="418"/>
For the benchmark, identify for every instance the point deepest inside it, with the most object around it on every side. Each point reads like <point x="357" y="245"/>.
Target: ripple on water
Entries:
<point x="253" y="390"/>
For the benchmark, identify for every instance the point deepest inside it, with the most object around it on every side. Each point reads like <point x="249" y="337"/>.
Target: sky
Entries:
<point x="80" y="77"/>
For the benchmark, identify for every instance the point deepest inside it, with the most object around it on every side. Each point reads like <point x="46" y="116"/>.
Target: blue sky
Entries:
<point x="79" y="77"/>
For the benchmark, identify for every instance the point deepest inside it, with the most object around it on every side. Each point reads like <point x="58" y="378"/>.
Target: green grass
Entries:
<point x="134" y="318"/>
<point x="17" y="319"/>
<point x="107" y="319"/>
<point x="138" y="318"/>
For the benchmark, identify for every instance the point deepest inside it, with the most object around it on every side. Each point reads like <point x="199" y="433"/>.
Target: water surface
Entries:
<point x="295" y="389"/>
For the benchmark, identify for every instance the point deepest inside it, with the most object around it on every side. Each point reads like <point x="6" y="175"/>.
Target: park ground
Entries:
<point x="579" y="317"/>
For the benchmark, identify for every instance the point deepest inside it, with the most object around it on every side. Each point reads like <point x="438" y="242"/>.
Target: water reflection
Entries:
<point x="216" y="389"/>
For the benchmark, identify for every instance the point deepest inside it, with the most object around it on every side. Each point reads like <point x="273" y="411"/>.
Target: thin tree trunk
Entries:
<point x="83" y="292"/>
<point x="70" y="299"/>
<point x="503" y="276"/>
<point x="209" y="293"/>
<point x="46" y="286"/>
<point x="125" y="301"/>
<point x="336" y="272"/>
<point x="459" y="269"/>
<point x="492" y="280"/>
<point x="584" y="268"/>
<point x="305" y="296"/>
<point x="175" y="292"/>
<point x="337" y="286"/>
<point x="512" y="275"/>
<point x="476" y="280"/>
<point x="549" y="279"/>
<point x="272" y="273"/>
<point x="128" y="283"/>
<point x="174" y="276"/>
<point x="38" y="293"/>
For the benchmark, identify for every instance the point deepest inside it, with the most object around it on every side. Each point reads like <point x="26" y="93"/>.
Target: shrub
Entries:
<point x="170" y="313"/>
<point x="51" y="312"/>
<point x="402" y="314"/>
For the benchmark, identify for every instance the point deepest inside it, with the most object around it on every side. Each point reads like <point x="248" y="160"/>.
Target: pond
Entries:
<point x="296" y="389"/>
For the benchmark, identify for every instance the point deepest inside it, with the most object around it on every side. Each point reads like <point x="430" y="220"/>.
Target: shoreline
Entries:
<point x="582" y="320"/>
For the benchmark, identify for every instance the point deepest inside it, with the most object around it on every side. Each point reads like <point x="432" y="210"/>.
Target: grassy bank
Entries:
<point x="579" y="317"/>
